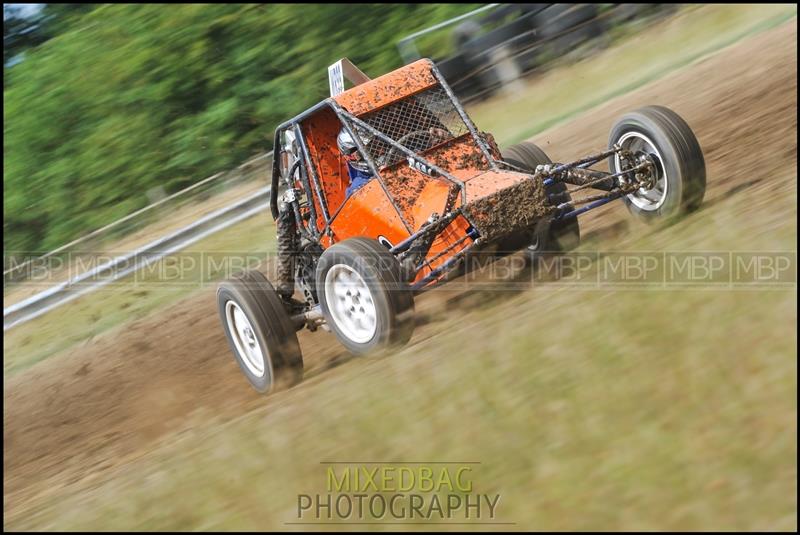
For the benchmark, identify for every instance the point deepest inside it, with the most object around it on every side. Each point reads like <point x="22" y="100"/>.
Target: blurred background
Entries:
<point x="142" y="133"/>
<point x="109" y="107"/>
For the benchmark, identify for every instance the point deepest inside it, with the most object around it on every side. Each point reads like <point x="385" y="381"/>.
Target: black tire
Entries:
<point x="558" y="236"/>
<point x="559" y="27"/>
<point x="270" y="326"/>
<point x="559" y="18"/>
<point x="681" y="161"/>
<point x="391" y="298"/>
<point x="625" y="12"/>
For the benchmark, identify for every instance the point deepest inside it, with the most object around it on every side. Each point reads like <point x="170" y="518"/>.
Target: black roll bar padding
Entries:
<point x="273" y="192"/>
<point x="310" y="169"/>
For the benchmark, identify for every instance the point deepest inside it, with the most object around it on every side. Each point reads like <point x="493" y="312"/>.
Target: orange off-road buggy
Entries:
<point x="440" y="190"/>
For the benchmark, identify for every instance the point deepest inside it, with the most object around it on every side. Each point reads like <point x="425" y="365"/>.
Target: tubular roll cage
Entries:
<point x="576" y="173"/>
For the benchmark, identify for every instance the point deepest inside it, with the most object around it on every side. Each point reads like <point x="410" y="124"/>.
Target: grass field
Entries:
<point x="619" y="415"/>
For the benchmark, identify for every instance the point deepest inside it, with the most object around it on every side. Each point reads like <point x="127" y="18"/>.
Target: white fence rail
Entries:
<point x="138" y="213"/>
<point x="124" y="265"/>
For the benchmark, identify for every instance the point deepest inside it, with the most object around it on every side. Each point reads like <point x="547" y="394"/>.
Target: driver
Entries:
<point x="357" y="167"/>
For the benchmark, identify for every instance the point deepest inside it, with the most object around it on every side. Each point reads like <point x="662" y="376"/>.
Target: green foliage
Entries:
<point x="129" y="97"/>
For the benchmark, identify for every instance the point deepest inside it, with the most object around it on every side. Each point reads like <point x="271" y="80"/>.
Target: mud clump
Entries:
<point x="473" y="160"/>
<point x="511" y="210"/>
<point x="405" y="185"/>
<point x="494" y="150"/>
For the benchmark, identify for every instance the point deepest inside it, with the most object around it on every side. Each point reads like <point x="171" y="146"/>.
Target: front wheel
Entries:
<point x="679" y="181"/>
<point x="259" y="331"/>
<point x="363" y="297"/>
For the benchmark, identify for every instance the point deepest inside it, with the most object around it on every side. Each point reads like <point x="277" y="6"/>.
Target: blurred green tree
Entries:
<point x="125" y="97"/>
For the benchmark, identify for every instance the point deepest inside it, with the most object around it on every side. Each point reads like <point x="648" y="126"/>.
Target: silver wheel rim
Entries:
<point x="244" y="338"/>
<point x="645" y="199"/>
<point x="350" y="303"/>
<point x="534" y="246"/>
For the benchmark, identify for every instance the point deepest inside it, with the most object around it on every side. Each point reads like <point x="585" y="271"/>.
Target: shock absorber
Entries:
<point x="287" y="248"/>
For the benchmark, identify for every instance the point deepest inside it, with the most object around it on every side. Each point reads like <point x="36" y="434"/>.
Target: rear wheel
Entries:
<point x="679" y="181"/>
<point x="259" y="331"/>
<point x="559" y="236"/>
<point x="364" y="299"/>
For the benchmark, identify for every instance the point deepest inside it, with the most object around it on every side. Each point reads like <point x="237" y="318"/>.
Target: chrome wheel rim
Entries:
<point x="350" y="303"/>
<point x="648" y="199"/>
<point x="244" y="338"/>
<point x="534" y="246"/>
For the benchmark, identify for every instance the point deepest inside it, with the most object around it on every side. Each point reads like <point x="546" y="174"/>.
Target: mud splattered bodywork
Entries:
<point x="389" y="88"/>
<point x="440" y="186"/>
<point x="511" y="209"/>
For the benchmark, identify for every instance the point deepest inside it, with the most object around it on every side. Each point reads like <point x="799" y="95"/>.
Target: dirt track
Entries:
<point x="119" y="394"/>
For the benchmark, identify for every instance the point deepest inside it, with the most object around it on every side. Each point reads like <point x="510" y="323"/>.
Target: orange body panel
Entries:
<point x="388" y="88"/>
<point x="407" y="184"/>
<point x="369" y="211"/>
<point x="488" y="182"/>
<point x="431" y="199"/>
<point x="320" y="131"/>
